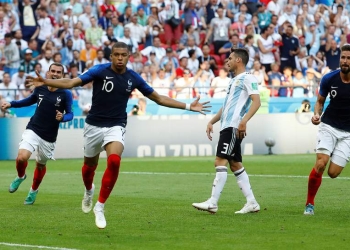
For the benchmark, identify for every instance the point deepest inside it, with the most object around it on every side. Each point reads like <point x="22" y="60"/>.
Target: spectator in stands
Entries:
<point x="47" y="27"/>
<point x="264" y="16"/>
<point x="220" y="84"/>
<point x="244" y="10"/>
<point x="105" y="21"/>
<point x="53" y="10"/>
<point x="202" y="84"/>
<point x="76" y="61"/>
<point x="67" y="52"/>
<point x="183" y="85"/>
<point x="85" y="17"/>
<point x="63" y="34"/>
<point x="333" y="52"/>
<point x="182" y="67"/>
<point x="211" y="9"/>
<point x="11" y="56"/>
<point x="100" y="58"/>
<point x="312" y="8"/>
<point x="252" y="50"/>
<point x="290" y="46"/>
<point x="122" y="8"/>
<point x="49" y="45"/>
<point x="233" y="43"/>
<point x="259" y="72"/>
<point x="300" y="27"/>
<point x="17" y="37"/>
<point x="46" y="61"/>
<point x="118" y="28"/>
<point x="341" y="19"/>
<point x="8" y="90"/>
<point x="192" y="22"/>
<point x="189" y="33"/>
<point x="137" y="32"/>
<point x="191" y="45"/>
<point x="28" y="20"/>
<point x="142" y="18"/>
<point x="219" y="28"/>
<point x="69" y="17"/>
<point x="266" y="47"/>
<point x="162" y="83"/>
<point x="169" y="56"/>
<point x="78" y="43"/>
<point x="157" y="48"/>
<point x="137" y="64"/>
<point x="27" y="62"/>
<point x="233" y="8"/>
<point x="125" y="18"/>
<point x="312" y="38"/>
<point x="287" y="83"/>
<point x="132" y="43"/>
<point x="193" y="63"/>
<point x="172" y="21"/>
<point x="299" y="85"/>
<point x="57" y="58"/>
<point x="207" y="57"/>
<point x="89" y="53"/>
<point x="274" y="7"/>
<point x="94" y="33"/>
<point x="288" y="15"/>
<point x="312" y="79"/>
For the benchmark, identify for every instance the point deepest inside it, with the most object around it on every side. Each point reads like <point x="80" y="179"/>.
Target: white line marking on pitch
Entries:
<point x="34" y="246"/>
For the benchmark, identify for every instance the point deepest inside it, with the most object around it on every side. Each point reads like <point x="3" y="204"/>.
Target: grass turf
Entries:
<point x="150" y="207"/>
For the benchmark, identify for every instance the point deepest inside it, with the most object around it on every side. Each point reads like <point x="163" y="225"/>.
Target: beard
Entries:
<point x="345" y="69"/>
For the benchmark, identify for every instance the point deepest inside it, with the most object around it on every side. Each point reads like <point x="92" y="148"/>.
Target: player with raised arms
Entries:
<point x="333" y="138"/>
<point x="234" y="116"/>
<point x="105" y="124"/>
<point x="54" y="105"/>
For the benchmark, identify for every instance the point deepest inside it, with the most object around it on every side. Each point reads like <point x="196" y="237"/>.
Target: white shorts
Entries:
<point x="96" y="138"/>
<point x="335" y="142"/>
<point x="31" y="142"/>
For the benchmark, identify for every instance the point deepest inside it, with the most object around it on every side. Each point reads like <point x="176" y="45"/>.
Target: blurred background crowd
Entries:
<point x="178" y="46"/>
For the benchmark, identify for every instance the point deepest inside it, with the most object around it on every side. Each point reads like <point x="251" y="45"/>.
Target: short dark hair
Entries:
<point x="8" y="35"/>
<point x="247" y="38"/>
<point x="345" y="47"/>
<point x="264" y="29"/>
<point x="120" y="45"/>
<point x="187" y="27"/>
<point x="191" y="52"/>
<point x="241" y="53"/>
<point x="57" y="64"/>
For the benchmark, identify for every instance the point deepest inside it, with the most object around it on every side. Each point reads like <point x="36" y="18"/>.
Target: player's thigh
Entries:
<point x="45" y="152"/>
<point x="28" y="144"/>
<point x="229" y="146"/>
<point x="340" y="155"/>
<point x="93" y="140"/>
<point x="113" y="141"/>
<point x="326" y="139"/>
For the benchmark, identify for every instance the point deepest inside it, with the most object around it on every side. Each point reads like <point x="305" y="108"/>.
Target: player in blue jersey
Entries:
<point x="53" y="106"/>
<point x="105" y="124"/>
<point x="333" y="138"/>
<point x="234" y="116"/>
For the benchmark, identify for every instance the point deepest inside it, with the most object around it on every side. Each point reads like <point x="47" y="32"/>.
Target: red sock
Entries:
<point x="21" y="167"/>
<point x="39" y="174"/>
<point x="315" y="180"/>
<point x="109" y="177"/>
<point x="88" y="174"/>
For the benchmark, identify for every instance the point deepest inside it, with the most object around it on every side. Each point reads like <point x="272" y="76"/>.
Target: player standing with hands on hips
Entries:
<point x="105" y="124"/>
<point x="42" y="129"/>
<point x="234" y="116"/>
<point x="333" y="138"/>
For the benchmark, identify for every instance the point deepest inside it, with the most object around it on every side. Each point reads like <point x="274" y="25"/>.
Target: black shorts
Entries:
<point x="229" y="147"/>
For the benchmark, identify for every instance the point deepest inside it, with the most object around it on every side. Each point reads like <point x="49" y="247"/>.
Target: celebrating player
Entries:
<point x="234" y="115"/>
<point x="105" y="124"/>
<point x="42" y="129"/>
<point x="333" y="139"/>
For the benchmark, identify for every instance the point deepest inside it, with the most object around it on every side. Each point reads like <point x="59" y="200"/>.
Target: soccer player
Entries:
<point x="105" y="124"/>
<point x="333" y="137"/>
<point x="234" y="116"/>
<point x="53" y="106"/>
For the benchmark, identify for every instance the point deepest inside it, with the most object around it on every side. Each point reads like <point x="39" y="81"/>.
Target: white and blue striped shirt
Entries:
<point x="238" y="99"/>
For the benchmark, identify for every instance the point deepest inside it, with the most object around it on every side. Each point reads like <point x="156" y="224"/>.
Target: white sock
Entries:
<point x="219" y="183"/>
<point x="244" y="184"/>
<point x="102" y="205"/>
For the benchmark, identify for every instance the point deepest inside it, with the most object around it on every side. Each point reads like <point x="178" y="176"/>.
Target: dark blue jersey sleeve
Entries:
<point x="90" y="75"/>
<point x="68" y="116"/>
<point x="324" y="84"/>
<point x="143" y="86"/>
<point x="30" y="100"/>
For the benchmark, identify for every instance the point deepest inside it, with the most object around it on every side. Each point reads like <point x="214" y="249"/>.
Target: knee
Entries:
<point x="320" y="165"/>
<point x="21" y="158"/>
<point x="113" y="161"/>
<point x="332" y="174"/>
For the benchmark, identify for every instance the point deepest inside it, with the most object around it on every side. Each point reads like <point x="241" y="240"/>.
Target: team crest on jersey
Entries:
<point x="254" y="85"/>
<point x="58" y="101"/>
<point x="129" y="86"/>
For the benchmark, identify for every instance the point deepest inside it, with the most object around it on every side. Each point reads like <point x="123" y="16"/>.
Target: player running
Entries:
<point x="333" y="139"/>
<point x="53" y="106"/>
<point x="105" y="124"/>
<point x="234" y="115"/>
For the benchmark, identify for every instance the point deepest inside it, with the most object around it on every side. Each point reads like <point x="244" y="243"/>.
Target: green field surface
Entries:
<point x="150" y="207"/>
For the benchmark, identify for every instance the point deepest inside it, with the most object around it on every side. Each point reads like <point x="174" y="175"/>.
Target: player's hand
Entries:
<point x="210" y="131"/>
<point x="241" y="131"/>
<point x="316" y="119"/>
<point x="5" y="105"/>
<point x="59" y="116"/>
<point x="35" y="81"/>
<point x="200" y="107"/>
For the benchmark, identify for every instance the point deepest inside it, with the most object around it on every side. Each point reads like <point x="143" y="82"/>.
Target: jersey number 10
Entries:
<point x="108" y="86"/>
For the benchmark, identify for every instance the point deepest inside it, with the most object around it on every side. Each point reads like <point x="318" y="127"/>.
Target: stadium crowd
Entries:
<point x="178" y="46"/>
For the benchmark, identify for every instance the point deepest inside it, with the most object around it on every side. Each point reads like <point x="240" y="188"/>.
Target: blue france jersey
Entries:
<point x="111" y="92"/>
<point x="44" y="122"/>
<point x="337" y="113"/>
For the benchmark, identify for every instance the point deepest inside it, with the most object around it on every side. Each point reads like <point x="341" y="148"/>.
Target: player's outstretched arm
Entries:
<point x="195" y="106"/>
<point x="63" y="83"/>
<point x="316" y="118"/>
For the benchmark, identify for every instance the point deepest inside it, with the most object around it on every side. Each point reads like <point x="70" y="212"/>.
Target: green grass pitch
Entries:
<point x="150" y="207"/>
